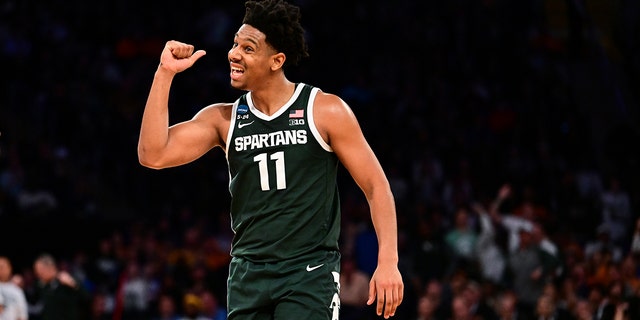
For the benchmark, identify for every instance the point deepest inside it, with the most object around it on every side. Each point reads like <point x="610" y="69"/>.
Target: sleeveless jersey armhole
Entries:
<point x="232" y="125"/>
<point x="312" y="123"/>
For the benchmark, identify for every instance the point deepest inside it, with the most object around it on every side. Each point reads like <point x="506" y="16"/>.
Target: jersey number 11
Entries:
<point x="262" y="160"/>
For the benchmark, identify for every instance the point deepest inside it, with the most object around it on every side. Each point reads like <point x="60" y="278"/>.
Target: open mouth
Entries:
<point x="236" y="72"/>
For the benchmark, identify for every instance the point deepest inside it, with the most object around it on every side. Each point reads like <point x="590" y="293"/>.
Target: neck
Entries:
<point x="272" y="97"/>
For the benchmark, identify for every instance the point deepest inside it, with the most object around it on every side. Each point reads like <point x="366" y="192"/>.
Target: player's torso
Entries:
<point x="282" y="179"/>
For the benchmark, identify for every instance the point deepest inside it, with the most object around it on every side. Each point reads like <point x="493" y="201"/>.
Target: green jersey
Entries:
<point x="284" y="195"/>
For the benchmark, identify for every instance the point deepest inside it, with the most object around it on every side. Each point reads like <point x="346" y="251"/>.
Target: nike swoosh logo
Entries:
<point x="240" y="125"/>
<point x="310" y="268"/>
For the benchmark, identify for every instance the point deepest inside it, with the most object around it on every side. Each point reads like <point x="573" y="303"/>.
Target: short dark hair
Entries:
<point x="46" y="259"/>
<point x="280" y="22"/>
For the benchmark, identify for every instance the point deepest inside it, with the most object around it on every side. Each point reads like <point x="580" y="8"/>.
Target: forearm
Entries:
<point x="154" y="130"/>
<point x="383" y="216"/>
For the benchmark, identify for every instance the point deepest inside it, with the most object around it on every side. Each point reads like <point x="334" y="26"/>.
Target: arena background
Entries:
<point x="456" y="97"/>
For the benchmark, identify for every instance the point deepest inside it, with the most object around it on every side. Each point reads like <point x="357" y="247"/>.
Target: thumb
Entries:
<point x="372" y="293"/>
<point x="197" y="55"/>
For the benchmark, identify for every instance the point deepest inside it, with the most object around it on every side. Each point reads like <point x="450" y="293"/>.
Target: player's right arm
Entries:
<point x="161" y="145"/>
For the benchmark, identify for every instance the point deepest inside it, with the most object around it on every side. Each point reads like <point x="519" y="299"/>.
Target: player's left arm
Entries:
<point x="340" y="129"/>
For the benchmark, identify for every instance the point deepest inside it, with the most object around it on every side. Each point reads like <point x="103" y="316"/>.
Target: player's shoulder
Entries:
<point x="329" y="102"/>
<point x="222" y="109"/>
<point x="222" y="106"/>
<point x="331" y="112"/>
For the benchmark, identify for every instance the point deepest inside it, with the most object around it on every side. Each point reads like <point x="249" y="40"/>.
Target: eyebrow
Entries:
<point x="249" y="39"/>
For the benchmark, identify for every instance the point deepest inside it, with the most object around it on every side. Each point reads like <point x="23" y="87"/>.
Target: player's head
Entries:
<point x="280" y="22"/>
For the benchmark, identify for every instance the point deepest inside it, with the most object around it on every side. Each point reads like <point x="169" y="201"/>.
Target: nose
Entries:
<point x="233" y="54"/>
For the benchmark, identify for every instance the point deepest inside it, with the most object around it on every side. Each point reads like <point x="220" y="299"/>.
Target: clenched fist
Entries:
<point x="177" y="56"/>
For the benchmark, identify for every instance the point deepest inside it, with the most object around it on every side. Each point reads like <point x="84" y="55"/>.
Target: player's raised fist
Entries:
<point x="178" y="56"/>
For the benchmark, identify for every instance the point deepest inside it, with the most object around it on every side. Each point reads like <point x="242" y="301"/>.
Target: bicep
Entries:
<point x="189" y="140"/>
<point x="345" y="137"/>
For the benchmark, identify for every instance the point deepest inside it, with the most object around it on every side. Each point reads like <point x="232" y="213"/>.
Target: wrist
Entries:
<point x="388" y="259"/>
<point x="163" y="72"/>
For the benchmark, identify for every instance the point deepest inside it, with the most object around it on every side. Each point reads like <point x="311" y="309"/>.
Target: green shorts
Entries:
<point x="301" y="288"/>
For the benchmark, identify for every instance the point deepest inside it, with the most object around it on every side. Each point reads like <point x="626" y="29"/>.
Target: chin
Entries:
<point x="238" y="85"/>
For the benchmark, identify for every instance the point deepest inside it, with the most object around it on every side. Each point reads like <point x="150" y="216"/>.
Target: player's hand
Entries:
<point x="177" y="56"/>
<point x="387" y="289"/>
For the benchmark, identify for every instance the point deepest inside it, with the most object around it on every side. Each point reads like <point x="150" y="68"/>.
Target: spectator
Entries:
<point x="490" y="256"/>
<point x="453" y="287"/>
<point x="354" y="290"/>
<point x="530" y="207"/>
<point x="526" y="272"/>
<point x="616" y="211"/>
<point x="550" y="254"/>
<point x="429" y="247"/>
<point x="478" y="302"/>
<point x="166" y="309"/>
<point x="192" y="305"/>
<point x="15" y="302"/>
<point x="547" y="309"/>
<point x="620" y="313"/>
<point x="600" y="269"/>
<point x="567" y="294"/>
<point x="105" y="266"/>
<point x="212" y="309"/>
<point x="583" y="310"/>
<point x="58" y="296"/>
<point x="635" y="239"/>
<point x="507" y="307"/>
<point x="603" y="242"/>
<point x="598" y="302"/>
<point x="100" y="307"/>
<point x="460" y="308"/>
<point x="461" y="241"/>
<point x="427" y="308"/>
<point x="511" y="222"/>
<point x="612" y="302"/>
<point x="629" y="276"/>
<point x="434" y="291"/>
<point x="135" y="292"/>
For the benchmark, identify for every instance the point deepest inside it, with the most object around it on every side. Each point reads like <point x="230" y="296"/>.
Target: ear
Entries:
<point x="277" y="61"/>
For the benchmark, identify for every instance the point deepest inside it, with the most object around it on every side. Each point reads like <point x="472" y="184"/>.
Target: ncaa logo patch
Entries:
<point x="243" y="109"/>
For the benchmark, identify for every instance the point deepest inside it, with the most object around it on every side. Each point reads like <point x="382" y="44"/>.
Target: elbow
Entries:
<point x="380" y="189"/>
<point x="146" y="160"/>
<point x="148" y="164"/>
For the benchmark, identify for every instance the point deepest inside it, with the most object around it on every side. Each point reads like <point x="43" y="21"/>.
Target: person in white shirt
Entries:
<point x="15" y="302"/>
<point x="1" y="304"/>
<point x="510" y="222"/>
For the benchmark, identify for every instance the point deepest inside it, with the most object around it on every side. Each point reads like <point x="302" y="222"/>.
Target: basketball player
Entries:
<point x="283" y="143"/>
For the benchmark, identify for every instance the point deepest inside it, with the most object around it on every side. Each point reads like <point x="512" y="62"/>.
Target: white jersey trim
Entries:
<point x="312" y="123"/>
<point x="280" y="111"/>
<point x="232" y="125"/>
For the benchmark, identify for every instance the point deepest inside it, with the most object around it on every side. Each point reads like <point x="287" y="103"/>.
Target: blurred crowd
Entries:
<point x="508" y="131"/>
